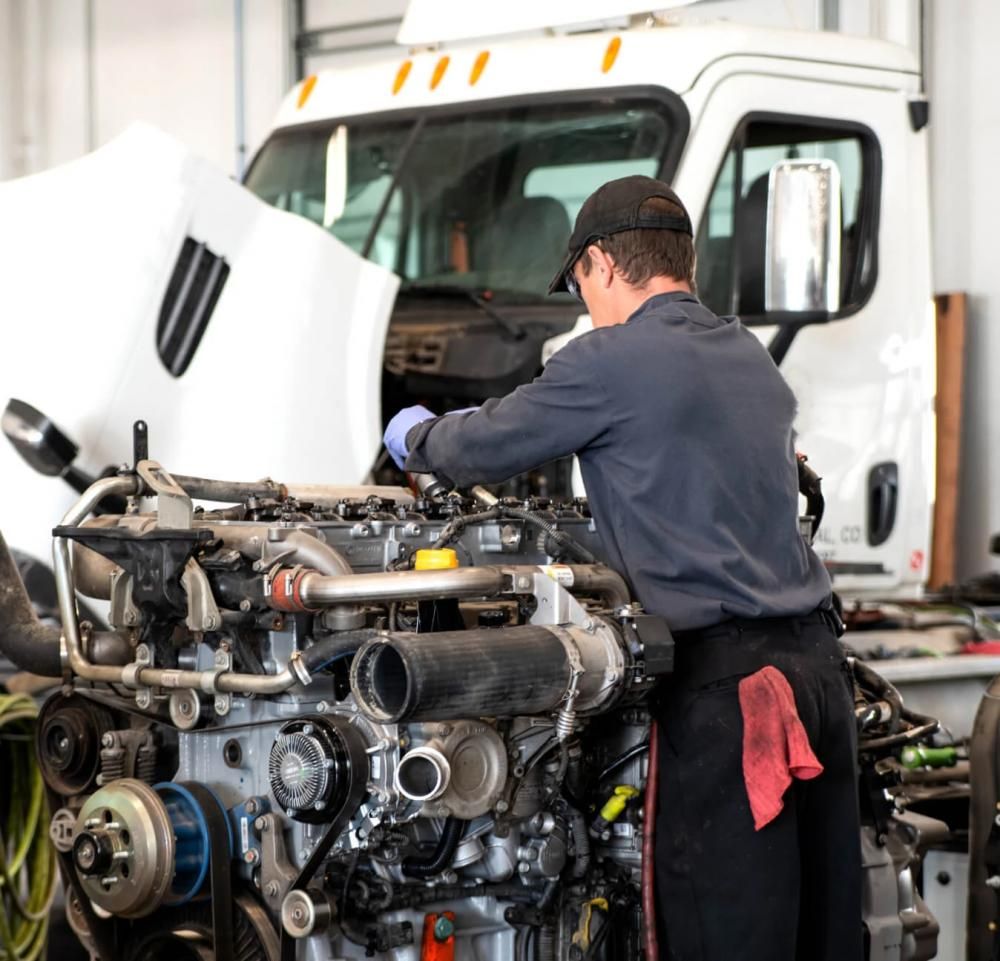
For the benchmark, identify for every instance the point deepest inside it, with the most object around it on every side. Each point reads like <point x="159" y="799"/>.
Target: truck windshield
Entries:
<point x="484" y="200"/>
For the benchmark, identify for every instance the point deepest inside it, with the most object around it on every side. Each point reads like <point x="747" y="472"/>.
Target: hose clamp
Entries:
<point x="284" y="589"/>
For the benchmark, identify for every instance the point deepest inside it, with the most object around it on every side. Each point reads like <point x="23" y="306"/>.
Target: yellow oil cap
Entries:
<point x="435" y="560"/>
<point x="615" y="804"/>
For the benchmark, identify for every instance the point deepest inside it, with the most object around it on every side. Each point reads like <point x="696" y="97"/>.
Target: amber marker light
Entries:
<point x="307" y="88"/>
<point x="401" y="74"/>
<point x="439" y="70"/>
<point x="611" y="54"/>
<point x="478" y="67"/>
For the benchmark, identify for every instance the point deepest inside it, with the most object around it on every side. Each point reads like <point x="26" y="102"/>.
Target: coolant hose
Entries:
<point x="330" y="649"/>
<point x="650" y="940"/>
<point x="27" y="862"/>
<point x="31" y="645"/>
<point x="451" y="834"/>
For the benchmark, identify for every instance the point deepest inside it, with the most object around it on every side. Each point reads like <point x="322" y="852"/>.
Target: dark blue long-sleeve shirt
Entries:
<point x="683" y="427"/>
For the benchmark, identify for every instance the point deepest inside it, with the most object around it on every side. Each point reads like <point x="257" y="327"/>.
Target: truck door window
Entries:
<point x="731" y="235"/>
<point x="484" y="197"/>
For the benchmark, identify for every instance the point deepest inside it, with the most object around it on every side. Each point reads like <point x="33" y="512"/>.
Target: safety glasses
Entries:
<point x="573" y="285"/>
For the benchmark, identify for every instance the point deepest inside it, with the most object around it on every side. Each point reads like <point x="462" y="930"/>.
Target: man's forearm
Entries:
<point x="472" y="449"/>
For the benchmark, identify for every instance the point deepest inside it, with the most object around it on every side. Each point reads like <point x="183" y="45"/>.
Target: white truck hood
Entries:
<point x="285" y="378"/>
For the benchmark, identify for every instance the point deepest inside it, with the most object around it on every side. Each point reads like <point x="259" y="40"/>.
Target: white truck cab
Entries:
<point x="461" y="169"/>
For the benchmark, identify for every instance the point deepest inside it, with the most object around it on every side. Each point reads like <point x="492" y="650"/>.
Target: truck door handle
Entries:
<point x="883" y="495"/>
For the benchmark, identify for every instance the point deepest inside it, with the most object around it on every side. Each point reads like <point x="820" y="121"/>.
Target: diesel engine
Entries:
<point x="318" y="723"/>
<point x="333" y="725"/>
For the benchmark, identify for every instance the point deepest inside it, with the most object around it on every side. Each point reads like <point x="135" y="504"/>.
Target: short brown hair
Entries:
<point x="646" y="253"/>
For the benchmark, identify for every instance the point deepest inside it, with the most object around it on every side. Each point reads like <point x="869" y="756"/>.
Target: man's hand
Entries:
<point x="395" y="433"/>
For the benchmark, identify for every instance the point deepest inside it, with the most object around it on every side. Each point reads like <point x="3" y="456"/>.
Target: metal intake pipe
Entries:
<point x="485" y="673"/>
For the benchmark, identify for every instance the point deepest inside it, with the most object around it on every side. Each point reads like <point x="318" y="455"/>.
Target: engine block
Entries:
<point x="334" y="726"/>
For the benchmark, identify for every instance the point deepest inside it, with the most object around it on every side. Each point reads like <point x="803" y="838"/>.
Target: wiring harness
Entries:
<point x="27" y="861"/>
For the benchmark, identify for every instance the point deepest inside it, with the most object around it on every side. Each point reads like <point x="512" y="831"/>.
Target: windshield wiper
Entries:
<point x="509" y="326"/>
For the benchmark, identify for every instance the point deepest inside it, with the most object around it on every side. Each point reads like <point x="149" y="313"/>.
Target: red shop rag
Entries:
<point x="775" y="745"/>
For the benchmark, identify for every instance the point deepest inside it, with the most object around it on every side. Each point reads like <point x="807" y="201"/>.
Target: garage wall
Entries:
<point x="965" y="147"/>
<point x="74" y="73"/>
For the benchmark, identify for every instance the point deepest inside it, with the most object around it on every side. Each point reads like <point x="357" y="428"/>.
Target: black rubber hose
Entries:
<point x="623" y="759"/>
<point x="24" y="640"/>
<point x="332" y="648"/>
<point x="426" y="867"/>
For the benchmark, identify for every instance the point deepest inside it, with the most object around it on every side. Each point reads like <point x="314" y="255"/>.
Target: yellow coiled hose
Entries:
<point x="27" y="861"/>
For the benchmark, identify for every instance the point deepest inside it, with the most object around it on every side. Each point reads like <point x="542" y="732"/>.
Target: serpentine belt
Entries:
<point x="357" y="775"/>
<point x="220" y="869"/>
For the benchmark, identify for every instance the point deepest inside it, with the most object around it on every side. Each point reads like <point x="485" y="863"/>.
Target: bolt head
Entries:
<point x="308" y="729"/>
<point x="322" y="707"/>
<point x="252" y="806"/>
<point x="271" y="890"/>
<point x="245" y="604"/>
<point x="261" y="824"/>
<point x="107" y="740"/>
<point x="502" y="806"/>
<point x="252" y="856"/>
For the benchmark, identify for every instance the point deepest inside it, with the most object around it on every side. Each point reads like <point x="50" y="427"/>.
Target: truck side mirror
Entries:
<point x="43" y="445"/>
<point x="802" y="263"/>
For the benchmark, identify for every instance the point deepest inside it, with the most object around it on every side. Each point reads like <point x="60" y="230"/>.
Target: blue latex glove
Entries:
<point x="394" y="437"/>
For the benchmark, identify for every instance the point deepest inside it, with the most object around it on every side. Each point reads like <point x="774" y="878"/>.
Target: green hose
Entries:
<point x="27" y="861"/>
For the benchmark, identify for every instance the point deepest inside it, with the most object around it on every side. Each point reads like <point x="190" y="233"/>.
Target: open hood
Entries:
<point x="141" y="282"/>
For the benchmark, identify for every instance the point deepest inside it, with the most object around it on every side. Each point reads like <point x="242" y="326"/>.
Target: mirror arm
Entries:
<point x="78" y="479"/>
<point x="790" y="325"/>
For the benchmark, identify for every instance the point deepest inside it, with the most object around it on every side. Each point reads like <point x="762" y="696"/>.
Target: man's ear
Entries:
<point x="603" y="263"/>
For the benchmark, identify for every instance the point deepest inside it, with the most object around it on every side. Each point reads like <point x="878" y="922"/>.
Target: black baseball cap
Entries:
<point x="613" y="208"/>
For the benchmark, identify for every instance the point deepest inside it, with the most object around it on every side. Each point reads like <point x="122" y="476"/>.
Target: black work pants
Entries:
<point x="791" y="891"/>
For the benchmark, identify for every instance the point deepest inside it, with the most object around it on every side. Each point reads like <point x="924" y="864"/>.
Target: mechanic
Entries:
<point x="683" y="427"/>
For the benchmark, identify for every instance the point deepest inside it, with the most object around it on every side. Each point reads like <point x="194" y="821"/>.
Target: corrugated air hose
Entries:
<point x="27" y="861"/>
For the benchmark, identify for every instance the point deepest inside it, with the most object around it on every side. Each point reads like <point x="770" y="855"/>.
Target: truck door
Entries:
<point x="864" y="380"/>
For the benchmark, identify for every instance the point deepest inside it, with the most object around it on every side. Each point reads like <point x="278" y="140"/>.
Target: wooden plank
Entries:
<point x="950" y="310"/>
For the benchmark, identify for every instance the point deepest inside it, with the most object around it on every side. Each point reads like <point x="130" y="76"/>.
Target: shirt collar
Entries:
<point x="661" y="300"/>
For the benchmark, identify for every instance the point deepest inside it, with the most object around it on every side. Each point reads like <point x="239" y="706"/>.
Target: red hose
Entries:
<point x="650" y="942"/>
